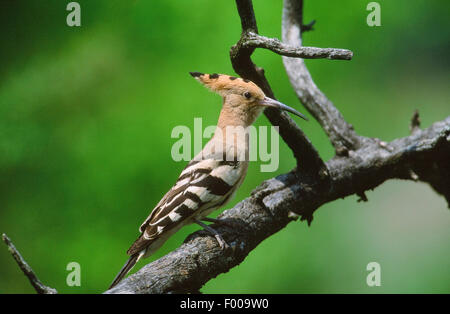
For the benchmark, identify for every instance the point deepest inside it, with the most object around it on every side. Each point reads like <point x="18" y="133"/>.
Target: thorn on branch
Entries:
<point x="415" y="122"/>
<point x="342" y="151"/>
<point x="252" y="40"/>
<point x="362" y="197"/>
<point x="35" y="282"/>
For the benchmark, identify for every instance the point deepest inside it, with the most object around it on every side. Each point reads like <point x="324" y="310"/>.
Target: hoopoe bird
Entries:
<point x="211" y="179"/>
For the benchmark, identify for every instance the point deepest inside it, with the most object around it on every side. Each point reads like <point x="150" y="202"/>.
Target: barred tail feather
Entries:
<point x="127" y="267"/>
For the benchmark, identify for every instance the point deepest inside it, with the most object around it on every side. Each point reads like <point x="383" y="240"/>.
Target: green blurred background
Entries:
<point x="86" y="115"/>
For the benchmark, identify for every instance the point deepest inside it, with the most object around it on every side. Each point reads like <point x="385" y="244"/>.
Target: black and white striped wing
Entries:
<point x="203" y="184"/>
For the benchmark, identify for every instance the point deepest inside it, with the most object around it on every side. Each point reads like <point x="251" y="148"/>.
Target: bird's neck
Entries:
<point x="231" y="117"/>
<point x="232" y="133"/>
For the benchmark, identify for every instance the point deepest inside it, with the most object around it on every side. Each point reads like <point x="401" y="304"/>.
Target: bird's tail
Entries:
<point x="127" y="267"/>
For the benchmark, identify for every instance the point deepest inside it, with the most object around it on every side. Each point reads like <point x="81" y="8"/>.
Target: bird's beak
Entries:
<point x="269" y="102"/>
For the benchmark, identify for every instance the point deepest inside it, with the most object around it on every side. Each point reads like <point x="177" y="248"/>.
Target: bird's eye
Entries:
<point x="248" y="95"/>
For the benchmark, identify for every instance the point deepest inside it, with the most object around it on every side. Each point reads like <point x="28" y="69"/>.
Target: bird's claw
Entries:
<point x="223" y="244"/>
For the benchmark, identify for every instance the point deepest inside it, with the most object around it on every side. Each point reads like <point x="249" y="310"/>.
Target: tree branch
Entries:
<point x="341" y="134"/>
<point x="35" y="282"/>
<point x="280" y="200"/>
<point x="308" y="159"/>
<point x="253" y="40"/>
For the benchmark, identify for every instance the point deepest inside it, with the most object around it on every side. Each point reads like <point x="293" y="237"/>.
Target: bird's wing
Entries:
<point x="202" y="184"/>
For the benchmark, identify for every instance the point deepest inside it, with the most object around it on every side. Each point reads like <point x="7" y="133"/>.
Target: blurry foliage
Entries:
<point x="86" y="115"/>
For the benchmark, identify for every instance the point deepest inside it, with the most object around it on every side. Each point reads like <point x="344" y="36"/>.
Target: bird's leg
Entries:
<point x="222" y="243"/>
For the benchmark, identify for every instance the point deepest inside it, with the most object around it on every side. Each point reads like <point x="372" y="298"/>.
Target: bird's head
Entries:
<point x="243" y="100"/>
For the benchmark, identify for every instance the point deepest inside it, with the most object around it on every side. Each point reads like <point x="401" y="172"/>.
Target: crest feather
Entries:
<point x="222" y="83"/>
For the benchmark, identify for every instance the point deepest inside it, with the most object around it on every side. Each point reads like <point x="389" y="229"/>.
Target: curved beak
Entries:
<point x="269" y="102"/>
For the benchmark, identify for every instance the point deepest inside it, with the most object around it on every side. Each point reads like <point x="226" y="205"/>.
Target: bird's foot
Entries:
<point x="223" y="244"/>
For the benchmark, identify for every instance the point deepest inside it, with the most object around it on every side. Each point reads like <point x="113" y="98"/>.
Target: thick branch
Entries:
<point x="280" y="200"/>
<point x="339" y="131"/>
<point x="35" y="282"/>
<point x="415" y="122"/>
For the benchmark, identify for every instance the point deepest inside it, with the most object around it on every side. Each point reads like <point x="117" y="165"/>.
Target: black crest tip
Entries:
<point x="195" y="74"/>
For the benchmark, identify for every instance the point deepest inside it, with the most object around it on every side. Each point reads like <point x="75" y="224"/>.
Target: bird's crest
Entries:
<point x="222" y="83"/>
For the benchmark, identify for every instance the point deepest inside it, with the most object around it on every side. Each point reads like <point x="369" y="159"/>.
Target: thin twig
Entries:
<point x="35" y="282"/>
